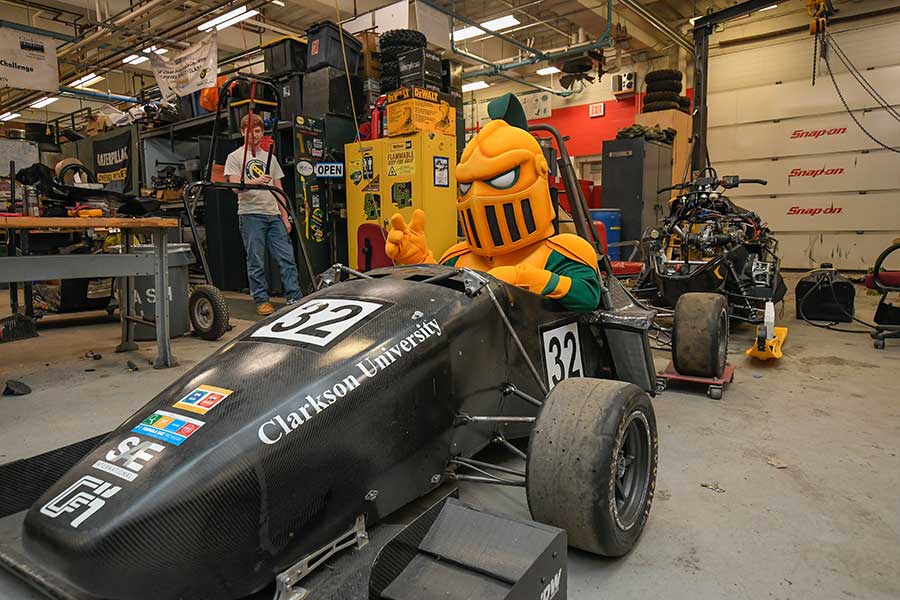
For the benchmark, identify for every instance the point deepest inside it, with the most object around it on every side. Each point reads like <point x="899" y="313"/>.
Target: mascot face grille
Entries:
<point x="504" y="203"/>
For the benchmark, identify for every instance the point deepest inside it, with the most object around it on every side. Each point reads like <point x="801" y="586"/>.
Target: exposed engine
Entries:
<point x="708" y="243"/>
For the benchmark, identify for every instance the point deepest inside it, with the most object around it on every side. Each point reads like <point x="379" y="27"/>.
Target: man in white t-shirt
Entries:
<point x="263" y="221"/>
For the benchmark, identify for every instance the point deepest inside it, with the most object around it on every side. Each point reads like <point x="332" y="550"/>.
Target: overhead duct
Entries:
<point x="658" y="24"/>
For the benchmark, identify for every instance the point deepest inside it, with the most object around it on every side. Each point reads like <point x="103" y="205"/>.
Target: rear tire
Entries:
<point x="700" y="334"/>
<point x="208" y="312"/>
<point x="592" y="463"/>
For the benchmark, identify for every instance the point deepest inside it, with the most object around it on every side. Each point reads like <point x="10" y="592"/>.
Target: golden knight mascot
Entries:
<point x="507" y="215"/>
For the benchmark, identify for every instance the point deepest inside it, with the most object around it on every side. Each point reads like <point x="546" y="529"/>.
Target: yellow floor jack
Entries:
<point x="769" y="339"/>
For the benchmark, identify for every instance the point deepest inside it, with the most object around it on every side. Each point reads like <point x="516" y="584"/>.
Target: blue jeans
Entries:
<point x="257" y="231"/>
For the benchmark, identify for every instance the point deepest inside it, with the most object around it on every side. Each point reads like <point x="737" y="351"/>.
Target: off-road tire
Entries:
<point x="661" y="97"/>
<point x="684" y="102"/>
<point x="666" y="85"/>
<point x="663" y="75"/>
<point x="208" y="312"/>
<point x="700" y="334"/>
<point x="658" y="106"/>
<point x="584" y="428"/>
<point x="401" y="37"/>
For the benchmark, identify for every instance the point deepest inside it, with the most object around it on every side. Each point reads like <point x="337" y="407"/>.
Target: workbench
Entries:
<point x="15" y="269"/>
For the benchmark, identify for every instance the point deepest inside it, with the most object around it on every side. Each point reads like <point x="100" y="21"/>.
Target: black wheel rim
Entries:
<point x="203" y="314"/>
<point x="632" y="475"/>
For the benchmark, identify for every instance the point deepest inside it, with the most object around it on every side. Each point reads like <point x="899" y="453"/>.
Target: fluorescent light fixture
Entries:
<point x="277" y="2"/>
<point x="475" y="85"/>
<point x="46" y="100"/>
<point x="155" y="50"/>
<point x="237" y="19"/>
<point x="547" y="71"/>
<point x="492" y="25"/>
<point x="87" y="80"/>
<point x="135" y="59"/>
<point x="9" y="116"/>
<point x="222" y="18"/>
<point x="693" y="20"/>
<point x="768" y="8"/>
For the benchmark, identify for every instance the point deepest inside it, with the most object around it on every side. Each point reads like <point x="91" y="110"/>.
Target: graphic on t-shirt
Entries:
<point x="255" y="168"/>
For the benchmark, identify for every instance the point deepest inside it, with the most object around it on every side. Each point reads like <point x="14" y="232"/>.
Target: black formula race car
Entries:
<point x="712" y="261"/>
<point x="313" y="426"/>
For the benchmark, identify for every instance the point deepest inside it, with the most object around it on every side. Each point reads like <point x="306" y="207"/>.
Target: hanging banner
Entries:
<point x="188" y="71"/>
<point x="112" y="163"/>
<point x="28" y="61"/>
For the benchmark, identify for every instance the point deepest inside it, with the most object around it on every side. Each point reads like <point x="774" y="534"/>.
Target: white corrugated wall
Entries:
<point x="833" y="193"/>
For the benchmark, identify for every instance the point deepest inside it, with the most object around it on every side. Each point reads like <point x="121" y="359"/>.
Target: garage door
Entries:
<point x="833" y="193"/>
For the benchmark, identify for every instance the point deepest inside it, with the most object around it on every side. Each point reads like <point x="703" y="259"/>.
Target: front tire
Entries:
<point x="700" y="334"/>
<point x="592" y="463"/>
<point x="208" y="312"/>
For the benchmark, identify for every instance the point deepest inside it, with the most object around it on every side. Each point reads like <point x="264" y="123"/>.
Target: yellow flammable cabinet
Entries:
<point x="399" y="174"/>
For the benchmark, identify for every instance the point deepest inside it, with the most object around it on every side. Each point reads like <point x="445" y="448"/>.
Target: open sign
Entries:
<point x="329" y="169"/>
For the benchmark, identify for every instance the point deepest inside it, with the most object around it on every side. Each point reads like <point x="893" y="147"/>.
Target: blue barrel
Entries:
<point x="612" y="220"/>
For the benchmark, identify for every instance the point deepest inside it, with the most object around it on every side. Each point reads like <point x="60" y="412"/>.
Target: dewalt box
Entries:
<point x="411" y="109"/>
<point x="399" y="174"/>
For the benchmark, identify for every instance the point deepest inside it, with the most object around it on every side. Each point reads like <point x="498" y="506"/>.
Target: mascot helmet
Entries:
<point x="504" y="199"/>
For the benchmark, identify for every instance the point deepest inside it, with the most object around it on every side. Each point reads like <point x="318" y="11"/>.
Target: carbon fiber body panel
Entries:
<point x="343" y="405"/>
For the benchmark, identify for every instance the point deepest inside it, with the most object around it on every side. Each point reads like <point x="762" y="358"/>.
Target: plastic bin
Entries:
<point x="324" y="48"/>
<point x="291" y="89"/>
<point x="180" y="256"/>
<point x="284" y="55"/>
<point x="612" y="220"/>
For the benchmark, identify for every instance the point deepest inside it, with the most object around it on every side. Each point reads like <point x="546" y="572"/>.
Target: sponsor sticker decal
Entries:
<point x="168" y="427"/>
<point x="203" y="399"/>
<point x="127" y="460"/>
<point x="89" y="493"/>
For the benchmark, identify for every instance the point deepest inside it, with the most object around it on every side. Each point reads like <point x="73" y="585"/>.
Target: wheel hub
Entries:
<point x="633" y="467"/>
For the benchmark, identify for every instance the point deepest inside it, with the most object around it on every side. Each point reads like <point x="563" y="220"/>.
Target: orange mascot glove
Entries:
<point x="406" y="244"/>
<point x="525" y="276"/>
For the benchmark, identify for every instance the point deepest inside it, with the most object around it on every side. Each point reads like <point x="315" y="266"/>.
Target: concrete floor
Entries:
<point x="802" y="455"/>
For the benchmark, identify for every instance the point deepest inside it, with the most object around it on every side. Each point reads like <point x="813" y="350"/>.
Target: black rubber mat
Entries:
<point x="23" y="481"/>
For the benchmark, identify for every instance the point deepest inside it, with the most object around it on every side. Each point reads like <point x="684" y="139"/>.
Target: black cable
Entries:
<point x="850" y="112"/>
<point x="860" y="78"/>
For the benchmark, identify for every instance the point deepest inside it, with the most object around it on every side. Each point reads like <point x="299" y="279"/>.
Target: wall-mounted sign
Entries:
<point x="329" y="169"/>
<point x="28" y="61"/>
<point x="597" y="109"/>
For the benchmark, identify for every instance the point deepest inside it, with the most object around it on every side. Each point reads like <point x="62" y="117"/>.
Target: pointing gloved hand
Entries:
<point x="406" y="244"/>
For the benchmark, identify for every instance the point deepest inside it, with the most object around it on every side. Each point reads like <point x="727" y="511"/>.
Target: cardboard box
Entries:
<point x="369" y="65"/>
<point x="681" y="148"/>
<point x="414" y="109"/>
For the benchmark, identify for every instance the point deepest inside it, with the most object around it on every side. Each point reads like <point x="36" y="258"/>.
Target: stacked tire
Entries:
<point x="664" y="89"/>
<point x="391" y="45"/>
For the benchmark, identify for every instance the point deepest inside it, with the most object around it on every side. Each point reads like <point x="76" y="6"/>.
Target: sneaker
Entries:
<point x="265" y="309"/>
<point x="294" y="301"/>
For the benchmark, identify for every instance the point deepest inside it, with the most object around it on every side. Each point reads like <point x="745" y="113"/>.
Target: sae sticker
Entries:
<point x="168" y="427"/>
<point x="203" y="399"/>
